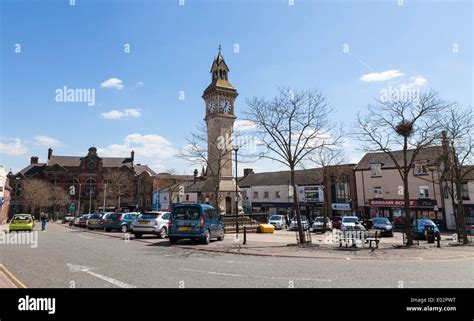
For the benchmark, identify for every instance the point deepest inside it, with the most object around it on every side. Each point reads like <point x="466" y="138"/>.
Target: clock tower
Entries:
<point x="219" y="99"/>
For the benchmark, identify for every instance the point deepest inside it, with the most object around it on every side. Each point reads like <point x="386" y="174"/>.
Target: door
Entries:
<point x="228" y="205"/>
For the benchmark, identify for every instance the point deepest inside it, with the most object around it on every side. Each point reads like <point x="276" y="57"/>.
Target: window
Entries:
<point x="424" y="191"/>
<point x="90" y="186"/>
<point x="73" y="188"/>
<point x="277" y="194"/>
<point x="378" y="192"/>
<point x="187" y="197"/>
<point x="421" y="167"/>
<point x="1" y="188"/>
<point x="465" y="191"/>
<point x="55" y="182"/>
<point x="375" y="170"/>
<point x="255" y="194"/>
<point x="265" y="194"/>
<point x="342" y="192"/>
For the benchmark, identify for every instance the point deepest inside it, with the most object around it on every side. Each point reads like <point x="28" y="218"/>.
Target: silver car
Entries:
<point x="318" y="225"/>
<point x="278" y="221"/>
<point x="294" y="224"/>
<point x="155" y="223"/>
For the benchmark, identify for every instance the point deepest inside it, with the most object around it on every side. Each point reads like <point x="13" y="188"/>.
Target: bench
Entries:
<point x="352" y="236"/>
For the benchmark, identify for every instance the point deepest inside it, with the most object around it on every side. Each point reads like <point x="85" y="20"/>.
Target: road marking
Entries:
<point x="83" y="236"/>
<point x="256" y="276"/>
<point x="11" y="276"/>
<point x="80" y="268"/>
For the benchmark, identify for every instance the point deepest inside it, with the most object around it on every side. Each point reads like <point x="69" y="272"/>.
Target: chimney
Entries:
<point x="34" y="160"/>
<point x="50" y="153"/>
<point x="247" y="171"/>
<point x="132" y="156"/>
<point x="195" y="174"/>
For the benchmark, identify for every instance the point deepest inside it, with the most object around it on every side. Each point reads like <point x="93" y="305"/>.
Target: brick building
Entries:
<point x="89" y="181"/>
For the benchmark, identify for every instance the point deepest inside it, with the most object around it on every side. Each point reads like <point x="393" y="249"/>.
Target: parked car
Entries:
<point x="351" y="223"/>
<point x="68" y="218"/>
<point x="195" y="221"/>
<point x="383" y="225"/>
<point x="83" y="220"/>
<point x="93" y="221"/>
<point x="336" y="221"/>
<point x="104" y="217"/>
<point x="121" y="222"/>
<point x="22" y="222"/>
<point x="420" y="226"/>
<point x="155" y="223"/>
<point x="278" y="221"/>
<point x="318" y="225"/>
<point x="294" y="223"/>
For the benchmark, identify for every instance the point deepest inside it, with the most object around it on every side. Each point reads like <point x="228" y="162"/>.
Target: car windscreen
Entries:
<point x="148" y="216"/>
<point x="381" y="221"/>
<point x="21" y="217"/>
<point x="96" y="216"/>
<point x="186" y="213"/>
<point x="349" y="219"/>
<point x="275" y="218"/>
<point x="319" y="219"/>
<point x="424" y="222"/>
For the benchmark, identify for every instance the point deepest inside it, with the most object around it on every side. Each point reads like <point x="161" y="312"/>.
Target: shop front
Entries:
<point x="394" y="210"/>
<point x="341" y="209"/>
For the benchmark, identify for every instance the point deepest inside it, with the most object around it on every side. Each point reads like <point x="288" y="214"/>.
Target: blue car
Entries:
<point x="195" y="221"/>
<point x="419" y="227"/>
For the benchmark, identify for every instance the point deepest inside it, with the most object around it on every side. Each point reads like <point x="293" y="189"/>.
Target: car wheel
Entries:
<point x="221" y="238"/>
<point x="207" y="238"/>
<point x="163" y="232"/>
<point x="124" y="228"/>
<point x="138" y="235"/>
<point x="108" y="229"/>
<point x="173" y="240"/>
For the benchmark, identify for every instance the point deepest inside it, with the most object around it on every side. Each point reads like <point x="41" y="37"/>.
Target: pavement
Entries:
<point x="66" y="257"/>
<point x="282" y="243"/>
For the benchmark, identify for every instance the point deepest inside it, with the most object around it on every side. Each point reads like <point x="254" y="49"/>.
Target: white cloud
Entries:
<point x="154" y="150"/>
<point x="13" y="149"/>
<point x="120" y="114"/>
<point x="382" y="76"/>
<point x="47" y="141"/>
<point x="139" y="83"/>
<point x="415" y="82"/>
<point x="112" y="83"/>
<point x="244" y="125"/>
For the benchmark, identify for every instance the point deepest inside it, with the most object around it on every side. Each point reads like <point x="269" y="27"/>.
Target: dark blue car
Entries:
<point x="195" y="221"/>
<point x="421" y="225"/>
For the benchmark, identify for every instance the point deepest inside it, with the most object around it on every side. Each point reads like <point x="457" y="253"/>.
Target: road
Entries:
<point x="74" y="258"/>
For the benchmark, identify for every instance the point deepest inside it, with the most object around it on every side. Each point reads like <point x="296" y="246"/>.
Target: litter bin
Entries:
<point x="430" y="235"/>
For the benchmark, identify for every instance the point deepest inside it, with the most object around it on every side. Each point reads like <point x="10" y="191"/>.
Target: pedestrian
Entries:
<point x="44" y="219"/>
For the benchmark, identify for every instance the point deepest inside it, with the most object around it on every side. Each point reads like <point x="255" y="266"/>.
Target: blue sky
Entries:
<point x="421" y="44"/>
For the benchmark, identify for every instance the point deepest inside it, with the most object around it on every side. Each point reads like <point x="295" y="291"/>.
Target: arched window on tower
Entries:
<point x="225" y="75"/>
<point x="73" y="187"/>
<point x="220" y="73"/>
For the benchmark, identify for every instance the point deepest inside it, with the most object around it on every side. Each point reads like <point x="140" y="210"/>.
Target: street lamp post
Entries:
<point x="17" y="180"/>
<point x="236" y="149"/>
<point x="105" y="193"/>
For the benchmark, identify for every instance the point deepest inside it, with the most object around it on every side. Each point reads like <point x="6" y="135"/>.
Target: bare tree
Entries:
<point x="458" y="158"/>
<point x="291" y="127"/>
<point x="35" y="193"/>
<point x="328" y="159"/>
<point x="405" y="125"/>
<point x="57" y="197"/>
<point x="171" y="185"/>
<point x="118" y="185"/>
<point x="198" y="151"/>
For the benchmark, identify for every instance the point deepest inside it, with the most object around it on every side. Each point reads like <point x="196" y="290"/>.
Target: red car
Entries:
<point x="336" y="221"/>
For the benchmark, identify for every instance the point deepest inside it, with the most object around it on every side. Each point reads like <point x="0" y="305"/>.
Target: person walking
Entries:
<point x="44" y="219"/>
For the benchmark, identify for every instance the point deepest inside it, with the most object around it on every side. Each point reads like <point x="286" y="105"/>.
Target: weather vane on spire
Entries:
<point x="220" y="48"/>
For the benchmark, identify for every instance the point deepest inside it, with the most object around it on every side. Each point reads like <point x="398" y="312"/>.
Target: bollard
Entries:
<point x="245" y="235"/>
<point x="438" y="240"/>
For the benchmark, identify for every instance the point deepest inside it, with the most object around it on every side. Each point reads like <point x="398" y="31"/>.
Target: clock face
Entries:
<point x="91" y="165"/>
<point x="211" y="106"/>
<point x="225" y="105"/>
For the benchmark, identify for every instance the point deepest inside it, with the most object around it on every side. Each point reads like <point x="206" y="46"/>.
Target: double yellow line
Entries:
<point x="13" y="278"/>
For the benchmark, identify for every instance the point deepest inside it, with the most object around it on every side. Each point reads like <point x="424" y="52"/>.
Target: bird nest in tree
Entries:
<point x="405" y="128"/>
